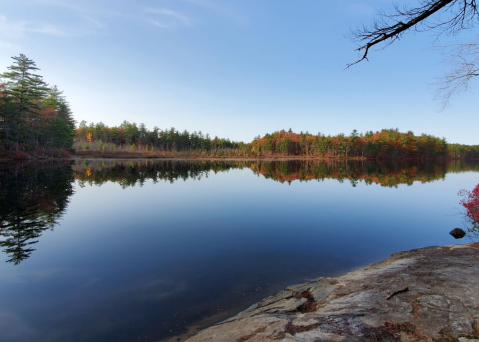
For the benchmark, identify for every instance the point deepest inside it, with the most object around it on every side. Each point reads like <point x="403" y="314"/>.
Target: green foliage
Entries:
<point x="388" y="143"/>
<point x="168" y="140"/>
<point x="284" y="145"/>
<point x="32" y="115"/>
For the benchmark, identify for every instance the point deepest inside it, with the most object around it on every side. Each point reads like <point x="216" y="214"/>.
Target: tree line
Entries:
<point x="132" y="137"/>
<point x="384" y="144"/>
<point x="35" y="119"/>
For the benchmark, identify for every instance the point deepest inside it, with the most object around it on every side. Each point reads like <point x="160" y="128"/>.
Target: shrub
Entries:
<point x="471" y="204"/>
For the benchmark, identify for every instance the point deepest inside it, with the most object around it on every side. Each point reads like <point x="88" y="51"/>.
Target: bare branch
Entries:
<point x="450" y="16"/>
<point x="465" y="58"/>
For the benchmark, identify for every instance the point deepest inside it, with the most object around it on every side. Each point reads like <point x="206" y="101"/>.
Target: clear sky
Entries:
<point x="234" y="68"/>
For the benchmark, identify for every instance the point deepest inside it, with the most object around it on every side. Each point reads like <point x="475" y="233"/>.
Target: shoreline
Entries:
<point x="426" y="294"/>
<point x="149" y="155"/>
<point x="255" y="158"/>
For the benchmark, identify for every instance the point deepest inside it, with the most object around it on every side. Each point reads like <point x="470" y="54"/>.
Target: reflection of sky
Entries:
<point x="122" y="262"/>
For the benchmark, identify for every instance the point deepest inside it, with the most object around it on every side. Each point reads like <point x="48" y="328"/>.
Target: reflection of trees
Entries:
<point x="458" y="166"/>
<point x="131" y="173"/>
<point x="34" y="198"/>
<point x="388" y="174"/>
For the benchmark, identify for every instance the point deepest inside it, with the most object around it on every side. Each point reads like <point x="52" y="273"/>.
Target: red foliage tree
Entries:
<point x="471" y="204"/>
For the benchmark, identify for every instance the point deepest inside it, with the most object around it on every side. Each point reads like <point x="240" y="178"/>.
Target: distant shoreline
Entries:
<point x="226" y="158"/>
<point x="122" y="155"/>
<point x="79" y="155"/>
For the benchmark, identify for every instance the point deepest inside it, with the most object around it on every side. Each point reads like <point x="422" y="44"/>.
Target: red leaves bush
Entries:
<point x="471" y="204"/>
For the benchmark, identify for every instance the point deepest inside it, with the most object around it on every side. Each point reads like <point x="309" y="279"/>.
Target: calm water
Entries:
<point x="152" y="251"/>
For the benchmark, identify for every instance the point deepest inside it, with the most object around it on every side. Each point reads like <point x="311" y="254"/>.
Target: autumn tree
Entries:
<point x="471" y="204"/>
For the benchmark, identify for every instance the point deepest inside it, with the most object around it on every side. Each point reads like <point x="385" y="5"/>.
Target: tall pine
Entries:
<point x="25" y="90"/>
<point x="59" y="129"/>
<point x="32" y="115"/>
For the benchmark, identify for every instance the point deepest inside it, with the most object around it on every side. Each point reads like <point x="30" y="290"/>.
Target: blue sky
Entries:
<point x="234" y="68"/>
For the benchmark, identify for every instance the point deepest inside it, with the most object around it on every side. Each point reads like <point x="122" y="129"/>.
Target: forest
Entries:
<point x="131" y="137"/>
<point x="36" y="122"/>
<point x="35" y="119"/>
<point x="386" y="144"/>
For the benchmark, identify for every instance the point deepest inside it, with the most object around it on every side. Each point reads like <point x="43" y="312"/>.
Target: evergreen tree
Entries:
<point x="61" y="126"/>
<point x="25" y="89"/>
<point x="32" y="115"/>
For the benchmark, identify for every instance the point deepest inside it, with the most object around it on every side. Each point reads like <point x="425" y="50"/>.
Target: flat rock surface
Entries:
<point x="441" y="303"/>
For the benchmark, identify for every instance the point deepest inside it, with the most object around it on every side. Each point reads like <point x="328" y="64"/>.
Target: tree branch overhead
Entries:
<point x="387" y="28"/>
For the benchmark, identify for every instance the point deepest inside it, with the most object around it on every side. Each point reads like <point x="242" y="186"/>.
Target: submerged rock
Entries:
<point x="457" y="233"/>
<point x="440" y="303"/>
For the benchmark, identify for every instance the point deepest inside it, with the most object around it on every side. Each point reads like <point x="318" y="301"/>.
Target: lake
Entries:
<point x="150" y="250"/>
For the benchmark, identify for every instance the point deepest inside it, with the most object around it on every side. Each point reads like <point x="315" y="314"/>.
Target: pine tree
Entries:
<point x="25" y="90"/>
<point x="61" y="127"/>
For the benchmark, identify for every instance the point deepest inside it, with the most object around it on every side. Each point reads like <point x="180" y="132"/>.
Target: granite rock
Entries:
<point x="441" y="303"/>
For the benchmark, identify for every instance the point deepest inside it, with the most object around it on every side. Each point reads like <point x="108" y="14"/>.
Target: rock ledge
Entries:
<point x="441" y="304"/>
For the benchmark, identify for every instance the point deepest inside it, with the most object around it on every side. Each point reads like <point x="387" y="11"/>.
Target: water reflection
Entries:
<point x="135" y="260"/>
<point x="131" y="173"/>
<point x="388" y="174"/>
<point x="34" y="198"/>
